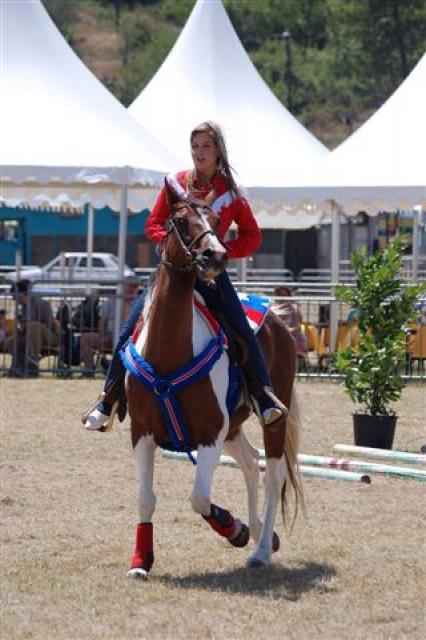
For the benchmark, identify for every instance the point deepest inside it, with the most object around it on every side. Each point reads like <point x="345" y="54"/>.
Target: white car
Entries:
<point x="73" y="266"/>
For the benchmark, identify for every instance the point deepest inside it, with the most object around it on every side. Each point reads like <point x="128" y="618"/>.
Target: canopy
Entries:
<point x="64" y="138"/>
<point x="209" y="76"/>
<point x="379" y="167"/>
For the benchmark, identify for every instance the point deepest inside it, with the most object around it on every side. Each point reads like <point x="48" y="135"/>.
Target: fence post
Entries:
<point x="89" y="247"/>
<point x="121" y="259"/>
<point x="335" y="257"/>
<point x="415" y="241"/>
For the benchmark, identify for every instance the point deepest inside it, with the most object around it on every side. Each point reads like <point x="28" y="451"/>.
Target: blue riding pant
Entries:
<point x="222" y="297"/>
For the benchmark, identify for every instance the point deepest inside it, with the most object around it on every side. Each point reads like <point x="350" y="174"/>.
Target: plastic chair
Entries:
<point x="417" y="350"/>
<point x="347" y="336"/>
<point x="311" y="334"/>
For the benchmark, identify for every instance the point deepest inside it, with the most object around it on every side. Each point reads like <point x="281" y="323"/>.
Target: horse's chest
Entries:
<point x="202" y="403"/>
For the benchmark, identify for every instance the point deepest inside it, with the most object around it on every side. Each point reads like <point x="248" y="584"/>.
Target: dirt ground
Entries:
<point x="353" y="567"/>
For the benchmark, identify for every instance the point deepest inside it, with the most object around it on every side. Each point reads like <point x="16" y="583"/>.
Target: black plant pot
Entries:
<point x="374" y="431"/>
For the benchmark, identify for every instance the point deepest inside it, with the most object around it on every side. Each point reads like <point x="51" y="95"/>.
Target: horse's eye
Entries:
<point x="183" y="225"/>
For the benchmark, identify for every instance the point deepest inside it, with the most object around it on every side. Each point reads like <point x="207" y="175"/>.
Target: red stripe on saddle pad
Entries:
<point x="207" y="315"/>
<point x="252" y="314"/>
<point x="137" y="330"/>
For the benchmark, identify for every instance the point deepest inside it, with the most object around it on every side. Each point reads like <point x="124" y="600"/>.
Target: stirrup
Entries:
<point x="84" y="416"/>
<point x="111" y="419"/>
<point x="273" y="414"/>
<point x="276" y="400"/>
<point x="108" y="420"/>
<point x="109" y="424"/>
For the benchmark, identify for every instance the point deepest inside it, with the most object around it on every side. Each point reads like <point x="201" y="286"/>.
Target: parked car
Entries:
<point x="73" y="266"/>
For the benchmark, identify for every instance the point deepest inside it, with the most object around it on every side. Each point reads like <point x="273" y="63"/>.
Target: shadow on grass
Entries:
<point x="273" y="582"/>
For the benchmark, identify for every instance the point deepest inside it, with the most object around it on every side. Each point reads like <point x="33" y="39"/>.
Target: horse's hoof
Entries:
<point x="137" y="574"/>
<point x="255" y="563"/>
<point x="242" y="538"/>
<point x="275" y="542"/>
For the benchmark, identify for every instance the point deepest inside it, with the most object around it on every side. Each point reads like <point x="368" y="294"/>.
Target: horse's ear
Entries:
<point x="171" y="195"/>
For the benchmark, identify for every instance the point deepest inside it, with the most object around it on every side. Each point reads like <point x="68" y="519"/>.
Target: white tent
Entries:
<point x="64" y="138"/>
<point x="208" y="76"/>
<point x="381" y="166"/>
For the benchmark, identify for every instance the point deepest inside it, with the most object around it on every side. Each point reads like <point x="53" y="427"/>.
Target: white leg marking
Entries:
<point x="243" y="453"/>
<point x="274" y="480"/>
<point x="208" y="457"/>
<point x="207" y="461"/>
<point x="144" y="454"/>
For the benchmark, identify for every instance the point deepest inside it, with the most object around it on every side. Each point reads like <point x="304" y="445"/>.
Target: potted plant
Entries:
<point x="371" y="370"/>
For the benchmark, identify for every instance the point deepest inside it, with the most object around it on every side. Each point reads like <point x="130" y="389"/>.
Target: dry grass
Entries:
<point x="353" y="567"/>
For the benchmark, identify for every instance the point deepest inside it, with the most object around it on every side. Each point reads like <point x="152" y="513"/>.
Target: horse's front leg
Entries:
<point x="218" y="518"/>
<point x="275" y="474"/>
<point x="143" y="555"/>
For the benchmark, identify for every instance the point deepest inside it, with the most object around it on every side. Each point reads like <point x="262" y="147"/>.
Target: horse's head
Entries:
<point x="192" y="244"/>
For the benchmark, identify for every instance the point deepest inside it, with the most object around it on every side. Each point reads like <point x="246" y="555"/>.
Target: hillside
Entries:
<point x="338" y="63"/>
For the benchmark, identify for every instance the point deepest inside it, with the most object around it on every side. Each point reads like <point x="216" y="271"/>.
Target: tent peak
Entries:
<point x="211" y="77"/>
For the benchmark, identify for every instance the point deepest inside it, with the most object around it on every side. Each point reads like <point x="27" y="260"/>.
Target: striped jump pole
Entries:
<point x="382" y="454"/>
<point x="310" y="471"/>
<point x="361" y="465"/>
<point x="358" y="465"/>
<point x="334" y="474"/>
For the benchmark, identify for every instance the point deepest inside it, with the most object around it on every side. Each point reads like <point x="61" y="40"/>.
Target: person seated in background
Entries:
<point x="3" y="329"/>
<point x="420" y="306"/>
<point x="102" y="340"/>
<point x="291" y="316"/>
<point x="35" y="325"/>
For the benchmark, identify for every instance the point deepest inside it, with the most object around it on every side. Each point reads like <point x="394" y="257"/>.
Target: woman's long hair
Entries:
<point x="216" y="134"/>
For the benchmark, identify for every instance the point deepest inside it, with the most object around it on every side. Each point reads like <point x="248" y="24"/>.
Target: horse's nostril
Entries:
<point x="212" y="257"/>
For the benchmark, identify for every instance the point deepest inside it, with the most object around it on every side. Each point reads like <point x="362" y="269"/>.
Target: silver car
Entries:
<point x="73" y="266"/>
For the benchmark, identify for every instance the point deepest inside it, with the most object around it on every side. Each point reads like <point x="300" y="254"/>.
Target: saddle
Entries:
<point x="244" y="385"/>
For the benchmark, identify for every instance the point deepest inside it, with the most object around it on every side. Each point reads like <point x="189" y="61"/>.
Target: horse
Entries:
<point x="172" y="335"/>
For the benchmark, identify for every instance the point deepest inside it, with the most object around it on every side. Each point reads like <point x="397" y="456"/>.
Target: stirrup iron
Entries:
<point x="85" y="415"/>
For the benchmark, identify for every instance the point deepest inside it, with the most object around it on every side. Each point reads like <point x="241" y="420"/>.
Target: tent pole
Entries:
<point x="89" y="245"/>
<point x="415" y="241"/>
<point x="335" y="259"/>
<point x="121" y="259"/>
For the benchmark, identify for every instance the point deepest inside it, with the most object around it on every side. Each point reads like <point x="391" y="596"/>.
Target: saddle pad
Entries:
<point x="256" y="309"/>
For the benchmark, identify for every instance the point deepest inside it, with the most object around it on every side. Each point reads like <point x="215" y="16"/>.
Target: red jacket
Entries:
<point x="230" y="209"/>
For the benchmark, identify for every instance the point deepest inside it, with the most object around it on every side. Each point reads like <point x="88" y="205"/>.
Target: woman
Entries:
<point x="210" y="180"/>
<point x="292" y="317"/>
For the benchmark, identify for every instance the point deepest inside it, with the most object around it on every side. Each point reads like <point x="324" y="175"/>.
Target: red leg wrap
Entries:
<point x="143" y="556"/>
<point x="221" y="521"/>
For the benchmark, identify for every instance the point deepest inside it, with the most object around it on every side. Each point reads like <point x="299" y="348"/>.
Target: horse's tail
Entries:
<point x="291" y="449"/>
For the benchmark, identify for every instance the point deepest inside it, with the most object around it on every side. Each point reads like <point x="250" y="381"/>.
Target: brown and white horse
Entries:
<point x="172" y="334"/>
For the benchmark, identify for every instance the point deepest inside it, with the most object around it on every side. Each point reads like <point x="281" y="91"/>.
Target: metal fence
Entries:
<point x="67" y="330"/>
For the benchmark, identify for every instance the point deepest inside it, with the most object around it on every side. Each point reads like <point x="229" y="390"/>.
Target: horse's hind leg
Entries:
<point x="274" y="481"/>
<point x="246" y="456"/>
<point x="143" y="555"/>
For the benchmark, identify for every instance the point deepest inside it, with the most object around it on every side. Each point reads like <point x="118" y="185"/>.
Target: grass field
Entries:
<point x="353" y="567"/>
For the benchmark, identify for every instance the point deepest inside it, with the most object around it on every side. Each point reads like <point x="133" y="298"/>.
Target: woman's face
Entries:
<point x="204" y="154"/>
